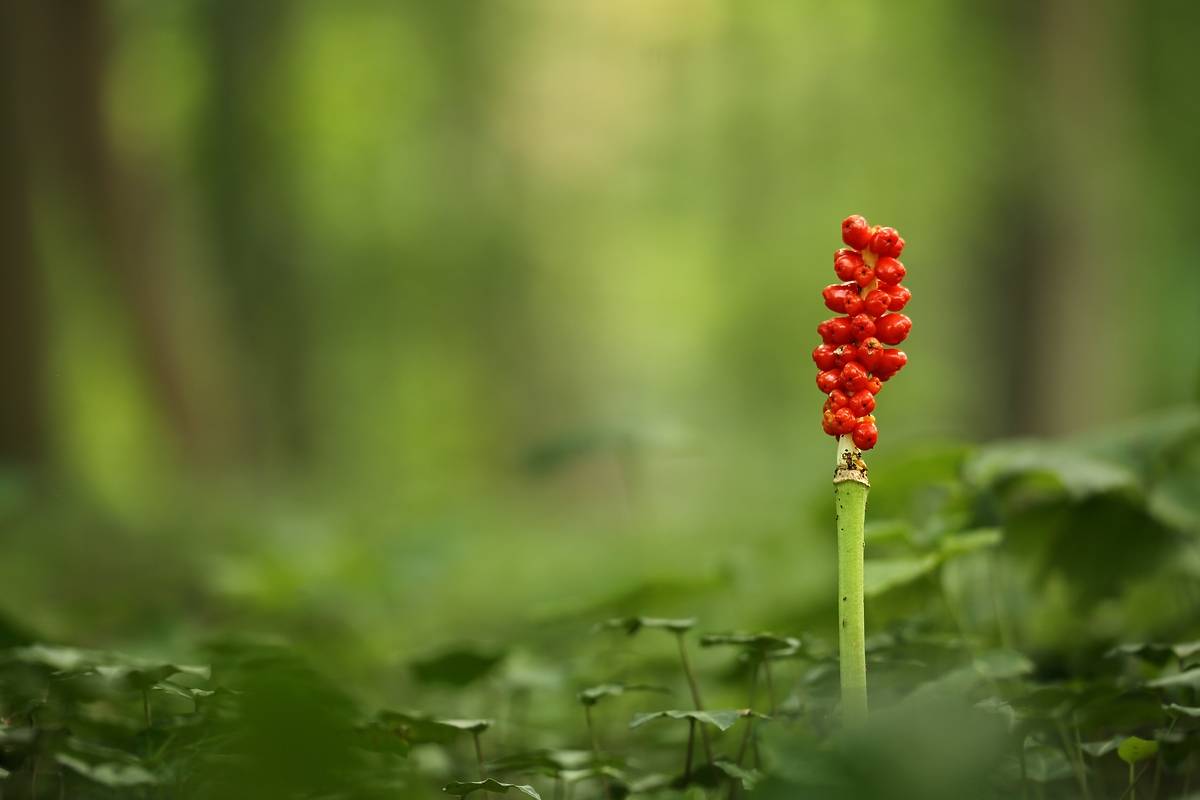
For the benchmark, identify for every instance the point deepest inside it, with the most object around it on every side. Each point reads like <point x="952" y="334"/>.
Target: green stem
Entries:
<point x="850" y="488"/>
<point x="687" y="759"/>
<point x="695" y="687"/>
<point x="587" y="711"/>
<point x="146" y="706"/>
<point x="479" y="759"/>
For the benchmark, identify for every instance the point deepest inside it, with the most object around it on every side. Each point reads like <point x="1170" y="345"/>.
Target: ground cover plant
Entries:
<point x="998" y="584"/>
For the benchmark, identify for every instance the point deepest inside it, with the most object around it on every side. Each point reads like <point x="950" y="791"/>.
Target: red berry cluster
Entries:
<point x="852" y="359"/>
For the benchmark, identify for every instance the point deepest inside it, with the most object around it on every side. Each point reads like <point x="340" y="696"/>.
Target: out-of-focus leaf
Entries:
<point x="552" y="762"/>
<point x="1158" y="654"/>
<point x="881" y="575"/>
<point x="182" y="691"/>
<point x="1003" y="664"/>
<point x="1077" y="474"/>
<point x="593" y="695"/>
<point x="462" y="789"/>
<point x="141" y="677"/>
<point x="1098" y="749"/>
<point x="1181" y="711"/>
<point x="958" y="544"/>
<point x="1042" y="765"/>
<point x="112" y="775"/>
<point x="376" y="737"/>
<point x="893" y="532"/>
<point x="1189" y="677"/>
<point x="632" y="625"/>
<point x="420" y="728"/>
<point x="748" y="777"/>
<point x="756" y="641"/>
<point x="723" y="719"/>
<point x="457" y="667"/>
<point x="1133" y="749"/>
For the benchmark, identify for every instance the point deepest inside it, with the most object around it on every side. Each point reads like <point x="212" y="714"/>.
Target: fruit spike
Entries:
<point x="869" y="298"/>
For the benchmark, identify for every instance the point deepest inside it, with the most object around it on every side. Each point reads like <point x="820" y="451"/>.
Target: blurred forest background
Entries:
<point x="384" y="325"/>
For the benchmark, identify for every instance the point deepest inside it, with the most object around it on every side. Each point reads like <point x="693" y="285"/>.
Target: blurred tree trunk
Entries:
<point x="57" y="146"/>
<point x="22" y="426"/>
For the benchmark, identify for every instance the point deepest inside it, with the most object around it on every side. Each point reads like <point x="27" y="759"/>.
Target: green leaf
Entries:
<point x="1098" y="749"/>
<point x="182" y="691"/>
<point x="456" y="667"/>
<point x="1042" y="765"/>
<point x="593" y="695"/>
<point x="1133" y="750"/>
<point x="1178" y="711"/>
<point x="882" y="575"/>
<point x="418" y="728"/>
<point x="553" y="762"/>
<point x="756" y="641"/>
<point x="113" y="775"/>
<point x="748" y="777"/>
<point x="462" y="789"/>
<point x="962" y="543"/>
<point x="1189" y="677"/>
<point x="723" y="719"/>
<point x="1003" y="664"/>
<point x="632" y="625"/>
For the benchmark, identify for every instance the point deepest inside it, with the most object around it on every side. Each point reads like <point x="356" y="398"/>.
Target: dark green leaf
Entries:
<point x="593" y="695"/>
<point x="1003" y="664"/>
<point x="632" y="625"/>
<point x="462" y="789"/>
<point x="457" y="667"/>
<point x="882" y="575"/>
<point x="723" y="719"/>
<point x="756" y="641"/>
<point x="748" y="777"/>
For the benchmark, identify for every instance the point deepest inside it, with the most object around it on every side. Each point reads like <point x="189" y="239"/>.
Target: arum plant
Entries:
<point x="853" y="364"/>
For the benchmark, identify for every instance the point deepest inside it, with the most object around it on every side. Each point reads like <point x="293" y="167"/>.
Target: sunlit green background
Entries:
<point x="386" y="325"/>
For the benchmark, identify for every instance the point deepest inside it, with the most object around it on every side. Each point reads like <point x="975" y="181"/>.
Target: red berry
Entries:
<point x="899" y="297"/>
<point x="890" y="328"/>
<point x="825" y="357"/>
<point x="889" y="271"/>
<point x="828" y="380"/>
<point x="854" y="302"/>
<point x="865" y="435"/>
<point x="846" y="264"/>
<point x="854" y="377"/>
<point x="874" y="385"/>
<point x="877" y="302"/>
<point x="844" y="421"/>
<point x="856" y="232"/>
<point x="838" y="399"/>
<point x="829" y="423"/>
<point x="886" y="242"/>
<point x="835" y="297"/>
<point x="836" y="331"/>
<point x="845" y="354"/>
<point x="868" y="353"/>
<point x="864" y="276"/>
<point x="862" y="403"/>
<point x="863" y="326"/>
<point x="890" y="362"/>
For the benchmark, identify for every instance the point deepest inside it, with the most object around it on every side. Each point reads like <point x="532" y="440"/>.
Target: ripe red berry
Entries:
<point x="862" y="403"/>
<point x="853" y="301"/>
<point x="846" y="264"/>
<point x="865" y="435"/>
<point x="864" y="276"/>
<point x="874" y="385"/>
<point x="845" y="354"/>
<point x="835" y="297"/>
<point x="863" y="326"/>
<point x="890" y="362"/>
<point x="868" y="353"/>
<point x="825" y="357"/>
<point x="886" y="242"/>
<point x="889" y="271"/>
<point x="844" y="421"/>
<point x="899" y="297"/>
<point x="877" y="302"/>
<point x="890" y="328"/>
<point x="829" y="422"/>
<point x="856" y="232"/>
<point x="829" y="380"/>
<point x="836" y="331"/>
<point x="854" y="378"/>
<point x="838" y="399"/>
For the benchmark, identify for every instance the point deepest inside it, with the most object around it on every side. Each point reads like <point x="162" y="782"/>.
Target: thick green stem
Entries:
<point x="850" y="488"/>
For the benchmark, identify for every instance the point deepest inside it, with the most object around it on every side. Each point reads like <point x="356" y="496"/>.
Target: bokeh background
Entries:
<point x="385" y="325"/>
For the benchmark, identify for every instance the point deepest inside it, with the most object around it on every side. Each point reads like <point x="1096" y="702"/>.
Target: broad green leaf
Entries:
<point x="1189" y="677"/>
<point x="1042" y="765"/>
<point x="141" y="677"/>
<point x="1098" y="749"/>
<point x="1079" y="475"/>
<point x="1158" y="654"/>
<point x="462" y="789"/>
<point x="418" y="728"/>
<point x="457" y="667"/>
<point x="756" y="641"/>
<point x="723" y="719"/>
<point x="632" y="625"/>
<point x="881" y="575"/>
<point x="593" y="695"/>
<point x="748" y="777"/>
<point x="1003" y="664"/>
<point x="552" y="762"/>
<point x="108" y="774"/>
<point x="891" y="532"/>
<point x="182" y="691"/>
<point x="1181" y="711"/>
<point x="1133" y="750"/>
<point x="375" y="737"/>
<point x="602" y="771"/>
